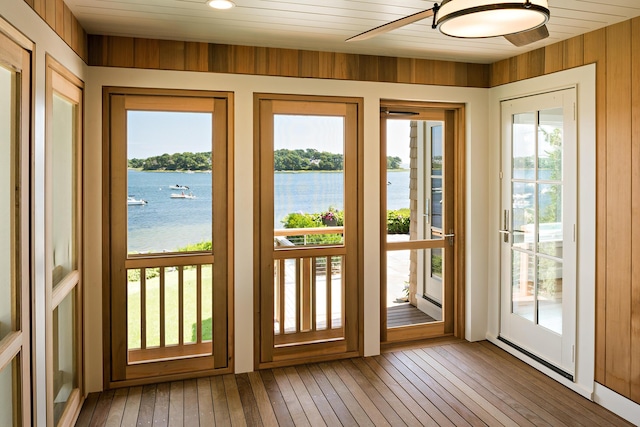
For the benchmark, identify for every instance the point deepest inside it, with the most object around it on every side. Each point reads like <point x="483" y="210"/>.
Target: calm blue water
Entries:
<point x="166" y="224"/>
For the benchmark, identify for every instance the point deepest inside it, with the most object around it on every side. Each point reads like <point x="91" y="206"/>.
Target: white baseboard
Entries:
<point x="617" y="404"/>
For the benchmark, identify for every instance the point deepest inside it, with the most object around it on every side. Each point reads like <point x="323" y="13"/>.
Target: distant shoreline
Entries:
<point x="296" y="171"/>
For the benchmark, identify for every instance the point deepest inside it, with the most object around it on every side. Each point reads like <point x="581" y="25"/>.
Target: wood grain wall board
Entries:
<point x="196" y="56"/>
<point x="172" y="55"/>
<point x="67" y="25"/>
<point x="50" y="13"/>
<point x="619" y="196"/>
<point x="553" y="58"/>
<point x="147" y="53"/>
<point x="595" y="49"/>
<point x="59" y="24"/>
<point x="635" y="138"/>
<point x="573" y="52"/>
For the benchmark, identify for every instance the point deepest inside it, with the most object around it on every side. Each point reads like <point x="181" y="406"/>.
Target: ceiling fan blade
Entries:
<point x="528" y="37"/>
<point x="392" y="25"/>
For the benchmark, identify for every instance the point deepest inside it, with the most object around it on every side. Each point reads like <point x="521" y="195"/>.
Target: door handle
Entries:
<point x="505" y="226"/>
<point x="449" y="236"/>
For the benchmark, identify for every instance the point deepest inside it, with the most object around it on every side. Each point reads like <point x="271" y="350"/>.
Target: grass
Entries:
<point x="152" y="307"/>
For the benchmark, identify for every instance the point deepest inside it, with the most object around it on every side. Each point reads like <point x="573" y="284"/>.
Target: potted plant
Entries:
<point x="329" y="218"/>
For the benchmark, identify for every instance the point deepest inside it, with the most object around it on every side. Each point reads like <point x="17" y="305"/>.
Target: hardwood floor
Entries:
<point x="445" y="384"/>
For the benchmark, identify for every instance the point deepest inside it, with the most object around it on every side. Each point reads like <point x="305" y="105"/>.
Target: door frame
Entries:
<point x="107" y="289"/>
<point x="357" y="347"/>
<point x="455" y="326"/>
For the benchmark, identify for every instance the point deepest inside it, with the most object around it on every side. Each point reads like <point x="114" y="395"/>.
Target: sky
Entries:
<point x="155" y="133"/>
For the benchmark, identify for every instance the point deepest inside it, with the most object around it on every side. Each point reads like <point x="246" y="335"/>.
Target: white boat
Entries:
<point x="134" y="201"/>
<point x="178" y="187"/>
<point x="182" y="196"/>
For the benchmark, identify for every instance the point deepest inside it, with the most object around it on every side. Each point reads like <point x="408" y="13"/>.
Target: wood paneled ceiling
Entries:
<point x="324" y="25"/>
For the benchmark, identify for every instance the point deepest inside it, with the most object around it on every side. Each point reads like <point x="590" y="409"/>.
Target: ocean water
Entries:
<point x="164" y="224"/>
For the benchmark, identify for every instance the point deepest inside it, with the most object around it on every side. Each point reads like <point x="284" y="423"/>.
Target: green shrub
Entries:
<point x="398" y="221"/>
<point x="305" y="220"/>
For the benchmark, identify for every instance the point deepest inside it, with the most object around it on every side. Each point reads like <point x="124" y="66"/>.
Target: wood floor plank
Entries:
<point x="390" y="410"/>
<point x="277" y="401"/>
<point x="116" y="412"/>
<point x="191" y="411"/>
<point x="205" y="402"/>
<point x="455" y="410"/>
<point x="219" y="398"/>
<point x="420" y="394"/>
<point x="132" y="407"/>
<point x="101" y="411"/>
<point x="304" y="397"/>
<point x="319" y="399"/>
<point x="176" y="404"/>
<point x="485" y="409"/>
<point x="291" y="399"/>
<point x="338" y="406"/>
<point x="500" y="386"/>
<point x="360" y="395"/>
<point x="248" y="401"/>
<point x="267" y="414"/>
<point x="395" y="392"/>
<point x="147" y="404"/>
<point x="359" y="413"/>
<point x="86" y="413"/>
<point x="233" y="401"/>
<point x="161" y="408"/>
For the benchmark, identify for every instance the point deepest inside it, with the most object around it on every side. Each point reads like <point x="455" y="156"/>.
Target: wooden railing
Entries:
<point x="308" y="288"/>
<point x="165" y="294"/>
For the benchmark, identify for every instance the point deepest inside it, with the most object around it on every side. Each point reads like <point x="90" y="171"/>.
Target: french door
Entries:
<point x="538" y="235"/>
<point x="15" y="335"/>
<point x="421" y="220"/>
<point x="307" y="240"/>
<point x="169" y="234"/>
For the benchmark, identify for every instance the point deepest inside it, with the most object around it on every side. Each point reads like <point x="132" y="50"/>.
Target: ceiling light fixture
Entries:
<point x="221" y="4"/>
<point x="490" y="18"/>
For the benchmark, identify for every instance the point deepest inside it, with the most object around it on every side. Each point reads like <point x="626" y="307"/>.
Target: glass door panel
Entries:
<point x="63" y="186"/>
<point x="539" y="193"/>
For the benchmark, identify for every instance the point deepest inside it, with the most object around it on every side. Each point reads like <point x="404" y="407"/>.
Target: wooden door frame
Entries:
<point x="259" y="124"/>
<point x="447" y="112"/>
<point x="227" y="229"/>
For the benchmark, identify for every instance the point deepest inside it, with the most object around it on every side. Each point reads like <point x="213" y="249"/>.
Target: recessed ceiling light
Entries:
<point x="221" y="4"/>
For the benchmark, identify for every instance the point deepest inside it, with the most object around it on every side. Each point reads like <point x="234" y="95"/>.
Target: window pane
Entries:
<point x="169" y="181"/>
<point x="10" y="393"/>
<point x="550" y="294"/>
<point x="7" y="210"/>
<point x="550" y="144"/>
<point x="308" y="179"/>
<point x="523" y="274"/>
<point x="63" y="196"/>
<point x="436" y="150"/>
<point x="64" y="353"/>
<point x="524" y="146"/>
<point x="524" y="211"/>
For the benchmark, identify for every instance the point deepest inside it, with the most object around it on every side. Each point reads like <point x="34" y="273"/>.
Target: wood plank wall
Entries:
<point x="61" y="20"/>
<point x="616" y="51"/>
<point x="209" y="57"/>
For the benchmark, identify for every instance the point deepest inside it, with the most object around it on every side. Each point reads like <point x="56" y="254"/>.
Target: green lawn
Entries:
<point x="171" y="307"/>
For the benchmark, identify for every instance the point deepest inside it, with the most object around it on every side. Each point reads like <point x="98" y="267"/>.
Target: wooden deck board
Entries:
<point x="454" y="383"/>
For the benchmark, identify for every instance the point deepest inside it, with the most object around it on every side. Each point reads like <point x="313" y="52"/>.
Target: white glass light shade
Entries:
<point x="491" y="18"/>
<point x="221" y="4"/>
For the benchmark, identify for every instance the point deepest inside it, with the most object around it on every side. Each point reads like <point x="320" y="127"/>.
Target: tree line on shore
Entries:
<point x="283" y="160"/>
